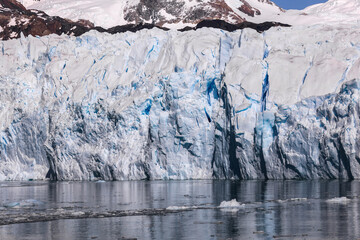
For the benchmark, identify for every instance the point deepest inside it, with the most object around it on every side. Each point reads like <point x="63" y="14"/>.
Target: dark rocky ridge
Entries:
<point x="233" y="27"/>
<point x="15" y="20"/>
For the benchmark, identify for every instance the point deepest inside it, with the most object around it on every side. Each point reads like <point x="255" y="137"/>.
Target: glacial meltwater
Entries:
<point x="208" y="209"/>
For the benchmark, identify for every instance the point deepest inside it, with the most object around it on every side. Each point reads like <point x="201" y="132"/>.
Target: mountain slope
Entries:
<point x="15" y="20"/>
<point x="173" y="14"/>
<point x="179" y="13"/>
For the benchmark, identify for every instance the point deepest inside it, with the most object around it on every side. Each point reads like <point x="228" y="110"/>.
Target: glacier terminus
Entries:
<point x="282" y="104"/>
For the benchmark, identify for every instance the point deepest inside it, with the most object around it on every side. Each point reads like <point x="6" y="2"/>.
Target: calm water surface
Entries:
<point x="266" y="210"/>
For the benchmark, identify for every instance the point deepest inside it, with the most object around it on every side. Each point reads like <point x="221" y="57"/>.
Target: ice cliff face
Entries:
<point x="172" y="105"/>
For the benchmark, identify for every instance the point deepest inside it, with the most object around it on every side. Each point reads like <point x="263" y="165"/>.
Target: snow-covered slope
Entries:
<point x="198" y="104"/>
<point x="336" y="11"/>
<point x="331" y="7"/>
<point x="173" y="14"/>
<point x="333" y="12"/>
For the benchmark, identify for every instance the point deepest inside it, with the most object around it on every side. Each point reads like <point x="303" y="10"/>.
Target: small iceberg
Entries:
<point x="231" y="206"/>
<point x="24" y="204"/>
<point x="11" y="205"/>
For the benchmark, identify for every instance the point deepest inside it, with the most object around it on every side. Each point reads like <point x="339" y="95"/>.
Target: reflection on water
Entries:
<point x="270" y="210"/>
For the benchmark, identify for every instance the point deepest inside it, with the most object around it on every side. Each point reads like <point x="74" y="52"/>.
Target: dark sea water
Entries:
<point x="180" y="210"/>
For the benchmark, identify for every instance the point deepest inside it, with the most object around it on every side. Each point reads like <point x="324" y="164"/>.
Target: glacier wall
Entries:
<point x="194" y="105"/>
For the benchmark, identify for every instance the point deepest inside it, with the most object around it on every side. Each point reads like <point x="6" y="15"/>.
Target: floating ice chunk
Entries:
<point x="232" y="203"/>
<point x="231" y="206"/>
<point x="340" y="200"/>
<point x="24" y="204"/>
<point x="79" y="213"/>
<point x="31" y="203"/>
<point x="11" y="205"/>
<point x="179" y="208"/>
